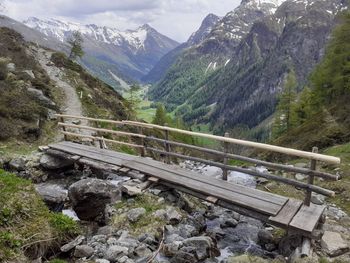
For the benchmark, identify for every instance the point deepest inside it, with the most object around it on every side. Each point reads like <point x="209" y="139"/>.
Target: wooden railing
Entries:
<point x="224" y="155"/>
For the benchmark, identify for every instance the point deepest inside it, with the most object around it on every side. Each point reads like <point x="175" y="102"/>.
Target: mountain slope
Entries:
<point x="132" y="53"/>
<point x="159" y="70"/>
<point x="196" y="63"/>
<point x="33" y="88"/>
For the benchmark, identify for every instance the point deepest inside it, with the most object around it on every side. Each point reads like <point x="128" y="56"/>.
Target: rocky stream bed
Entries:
<point x="127" y="220"/>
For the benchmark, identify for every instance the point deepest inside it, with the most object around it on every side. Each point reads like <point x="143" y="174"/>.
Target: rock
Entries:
<point x="143" y="251"/>
<point x="300" y="177"/>
<point x="83" y="251"/>
<point x="106" y="230"/>
<point x="73" y="244"/>
<point x="52" y="194"/>
<point x="41" y="97"/>
<point x="54" y="163"/>
<point x="161" y="214"/>
<point x="265" y="237"/>
<point x="18" y="164"/>
<point x="183" y="257"/>
<point x="11" y="67"/>
<point x="171" y="249"/>
<point x="203" y="246"/>
<point x="242" y="179"/>
<point x="229" y="223"/>
<point x="212" y="171"/>
<point x="101" y="260"/>
<point x="131" y="190"/>
<point x="317" y="199"/>
<point x="173" y="216"/>
<point x="114" y="253"/>
<point x="30" y="73"/>
<point x="135" y="214"/>
<point x="89" y="197"/>
<point x="333" y="244"/>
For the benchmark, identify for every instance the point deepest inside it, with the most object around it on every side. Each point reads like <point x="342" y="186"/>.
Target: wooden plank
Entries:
<point x="124" y="170"/>
<point x="307" y="218"/>
<point x="153" y="179"/>
<point x="280" y="200"/>
<point x="212" y="199"/>
<point x="285" y="216"/>
<point x="242" y="200"/>
<point x="228" y="195"/>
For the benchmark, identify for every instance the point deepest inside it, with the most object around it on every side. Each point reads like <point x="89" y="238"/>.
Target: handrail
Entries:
<point x="261" y="146"/>
<point x="224" y="155"/>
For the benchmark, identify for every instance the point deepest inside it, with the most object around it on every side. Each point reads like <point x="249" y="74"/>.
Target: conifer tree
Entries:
<point x="161" y="117"/>
<point x="285" y="117"/>
<point x="76" y="44"/>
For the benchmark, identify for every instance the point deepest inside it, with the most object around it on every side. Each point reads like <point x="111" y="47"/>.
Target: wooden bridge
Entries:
<point x="293" y="215"/>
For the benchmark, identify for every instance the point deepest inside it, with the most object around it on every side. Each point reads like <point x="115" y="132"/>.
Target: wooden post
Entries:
<point x="142" y="150"/>
<point x="167" y="145"/>
<point x="311" y="178"/>
<point x="225" y="171"/>
<point x="64" y="129"/>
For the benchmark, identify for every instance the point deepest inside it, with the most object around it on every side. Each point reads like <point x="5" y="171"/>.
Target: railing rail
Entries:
<point x="224" y="155"/>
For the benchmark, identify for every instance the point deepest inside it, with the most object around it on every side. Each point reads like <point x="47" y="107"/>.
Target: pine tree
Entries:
<point x="285" y="116"/>
<point x="76" y="43"/>
<point x="161" y="117"/>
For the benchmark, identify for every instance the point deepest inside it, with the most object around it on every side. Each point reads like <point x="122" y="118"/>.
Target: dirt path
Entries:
<point x="72" y="102"/>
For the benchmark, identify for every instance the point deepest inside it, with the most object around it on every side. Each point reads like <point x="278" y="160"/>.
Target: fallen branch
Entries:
<point x="159" y="248"/>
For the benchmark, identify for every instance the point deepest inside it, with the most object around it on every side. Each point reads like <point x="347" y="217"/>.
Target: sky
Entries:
<point x="176" y="19"/>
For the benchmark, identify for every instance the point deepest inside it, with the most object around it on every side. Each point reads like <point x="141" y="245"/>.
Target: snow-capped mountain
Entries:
<point x="133" y="52"/>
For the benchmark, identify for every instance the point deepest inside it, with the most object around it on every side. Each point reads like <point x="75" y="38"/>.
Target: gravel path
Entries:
<point x="72" y="102"/>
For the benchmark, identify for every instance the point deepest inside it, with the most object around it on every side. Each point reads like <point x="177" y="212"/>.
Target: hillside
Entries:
<point x="241" y="89"/>
<point x="33" y="88"/>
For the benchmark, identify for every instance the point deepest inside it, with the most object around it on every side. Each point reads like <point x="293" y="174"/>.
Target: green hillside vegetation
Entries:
<point x="22" y="114"/>
<point x="27" y="229"/>
<point x="322" y="111"/>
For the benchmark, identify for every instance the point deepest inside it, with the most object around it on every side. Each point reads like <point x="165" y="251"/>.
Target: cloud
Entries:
<point x="174" y="18"/>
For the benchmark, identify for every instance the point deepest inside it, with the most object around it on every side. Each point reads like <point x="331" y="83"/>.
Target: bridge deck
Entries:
<point x="275" y="209"/>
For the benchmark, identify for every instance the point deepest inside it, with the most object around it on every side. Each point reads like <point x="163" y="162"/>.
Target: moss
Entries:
<point x="27" y="228"/>
<point x="147" y="223"/>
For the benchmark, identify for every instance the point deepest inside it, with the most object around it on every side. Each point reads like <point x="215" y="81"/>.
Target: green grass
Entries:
<point x="27" y="228"/>
<point x="145" y="112"/>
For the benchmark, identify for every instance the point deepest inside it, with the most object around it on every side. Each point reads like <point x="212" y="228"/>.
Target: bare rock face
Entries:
<point x="54" y="163"/>
<point x="334" y="244"/>
<point x="89" y="197"/>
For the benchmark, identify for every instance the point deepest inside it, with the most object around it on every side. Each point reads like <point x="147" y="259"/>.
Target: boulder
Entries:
<point x="41" y="97"/>
<point x="89" y="197"/>
<point x="11" y="67"/>
<point x="300" y="177"/>
<point x="173" y="216"/>
<point x="83" y="251"/>
<point x="334" y="244"/>
<point x="203" y="246"/>
<point x="183" y="257"/>
<point x="54" y="163"/>
<point x="265" y="237"/>
<point x="18" y="164"/>
<point x="73" y="244"/>
<point x="135" y="214"/>
<point x="114" y="253"/>
<point x="53" y="195"/>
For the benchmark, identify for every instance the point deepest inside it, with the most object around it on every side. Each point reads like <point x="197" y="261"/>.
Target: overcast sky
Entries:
<point x="174" y="18"/>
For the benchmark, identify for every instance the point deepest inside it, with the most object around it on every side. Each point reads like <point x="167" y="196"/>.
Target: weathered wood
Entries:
<point x="64" y="129"/>
<point x="153" y="179"/>
<point x="120" y="133"/>
<point x="98" y="165"/>
<point x="167" y="146"/>
<point x="261" y="146"/>
<point x="306" y="248"/>
<point x="296" y="183"/>
<point x="311" y="179"/>
<point x="307" y="218"/>
<point x="274" y="166"/>
<point x="224" y="170"/>
<point x="287" y="213"/>
<point x="106" y="155"/>
<point x="212" y="199"/>
<point x="124" y="170"/>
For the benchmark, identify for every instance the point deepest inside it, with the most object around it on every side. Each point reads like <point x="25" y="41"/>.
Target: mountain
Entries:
<point x="216" y="49"/>
<point x="239" y="69"/>
<point x="130" y="54"/>
<point x="167" y="60"/>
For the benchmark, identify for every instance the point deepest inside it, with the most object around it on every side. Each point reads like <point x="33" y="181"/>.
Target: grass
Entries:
<point x="147" y="223"/>
<point x="27" y="227"/>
